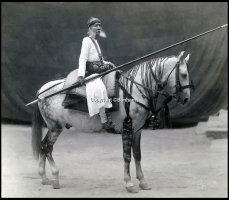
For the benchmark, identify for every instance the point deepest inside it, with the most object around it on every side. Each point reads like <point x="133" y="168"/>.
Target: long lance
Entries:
<point x="123" y="65"/>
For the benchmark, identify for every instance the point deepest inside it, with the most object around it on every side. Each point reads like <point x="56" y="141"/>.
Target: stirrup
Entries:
<point x="108" y="125"/>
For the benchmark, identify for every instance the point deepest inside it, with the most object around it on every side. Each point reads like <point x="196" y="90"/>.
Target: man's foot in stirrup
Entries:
<point x="112" y="124"/>
<point x="108" y="125"/>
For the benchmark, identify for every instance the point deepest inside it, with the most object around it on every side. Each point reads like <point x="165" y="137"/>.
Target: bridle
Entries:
<point x="179" y="87"/>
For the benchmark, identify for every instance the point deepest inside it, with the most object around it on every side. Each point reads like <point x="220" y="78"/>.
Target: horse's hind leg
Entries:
<point x="46" y="152"/>
<point x="42" y="162"/>
<point x="137" y="156"/>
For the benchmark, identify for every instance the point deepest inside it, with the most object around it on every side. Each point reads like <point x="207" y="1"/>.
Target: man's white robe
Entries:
<point x="95" y="89"/>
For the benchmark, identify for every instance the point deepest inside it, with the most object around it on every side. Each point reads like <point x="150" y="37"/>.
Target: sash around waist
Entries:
<point x="93" y="68"/>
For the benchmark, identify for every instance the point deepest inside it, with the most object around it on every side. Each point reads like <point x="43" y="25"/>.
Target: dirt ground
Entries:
<point x="175" y="162"/>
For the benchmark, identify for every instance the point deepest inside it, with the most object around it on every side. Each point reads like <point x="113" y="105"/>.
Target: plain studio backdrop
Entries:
<point x="42" y="42"/>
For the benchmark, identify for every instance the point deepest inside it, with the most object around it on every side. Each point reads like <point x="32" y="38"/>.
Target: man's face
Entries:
<point x="96" y="28"/>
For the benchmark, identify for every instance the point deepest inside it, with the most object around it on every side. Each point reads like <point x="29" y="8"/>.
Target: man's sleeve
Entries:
<point x="83" y="57"/>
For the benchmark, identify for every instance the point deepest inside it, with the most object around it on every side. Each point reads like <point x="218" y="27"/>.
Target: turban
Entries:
<point x="92" y="21"/>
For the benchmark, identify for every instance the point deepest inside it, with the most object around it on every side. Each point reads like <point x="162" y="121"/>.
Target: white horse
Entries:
<point x="143" y="83"/>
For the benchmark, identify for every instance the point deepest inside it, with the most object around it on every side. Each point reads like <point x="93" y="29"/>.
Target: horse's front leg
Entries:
<point x="137" y="156"/>
<point x="127" y="143"/>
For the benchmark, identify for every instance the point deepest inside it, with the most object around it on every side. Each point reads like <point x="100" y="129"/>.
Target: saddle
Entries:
<point x="76" y="98"/>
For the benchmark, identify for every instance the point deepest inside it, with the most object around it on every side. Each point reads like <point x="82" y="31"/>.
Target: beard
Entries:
<point x="102" y="34"/>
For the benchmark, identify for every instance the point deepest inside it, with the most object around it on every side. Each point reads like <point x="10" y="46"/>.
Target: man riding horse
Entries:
<point x="92" y="63"/>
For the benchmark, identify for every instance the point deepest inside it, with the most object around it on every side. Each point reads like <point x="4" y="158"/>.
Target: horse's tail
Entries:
<point x="37" y="122"/>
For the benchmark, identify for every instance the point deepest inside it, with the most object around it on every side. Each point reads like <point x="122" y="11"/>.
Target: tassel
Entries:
<point x="127" y="131"/>
<point x="127" y="138"/>
<point x="127" y="125"/>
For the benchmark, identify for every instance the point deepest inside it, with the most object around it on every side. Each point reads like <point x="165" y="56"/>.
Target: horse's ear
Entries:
<point x="187" y="58"/>
<point x="181" y="54"/>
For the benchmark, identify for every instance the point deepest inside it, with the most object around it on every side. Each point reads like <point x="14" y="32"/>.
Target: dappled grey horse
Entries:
<point x="141" y="85"/>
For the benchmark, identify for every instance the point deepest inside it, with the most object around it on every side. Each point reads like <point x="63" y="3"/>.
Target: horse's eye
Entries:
<point x="184" y="75"/>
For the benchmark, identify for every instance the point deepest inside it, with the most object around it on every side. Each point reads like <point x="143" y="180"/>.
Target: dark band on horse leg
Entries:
<point x="46" y="144"/>
<point x="127" y="143"/>
<point x="127" y="159"/>
<point x="51" y="137"/>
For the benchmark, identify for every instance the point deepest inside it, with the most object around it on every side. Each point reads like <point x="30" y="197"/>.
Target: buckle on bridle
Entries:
<point x="178" y="88"/>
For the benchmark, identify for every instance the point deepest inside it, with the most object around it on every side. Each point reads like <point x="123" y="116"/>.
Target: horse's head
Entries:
<point x="177" y="78"/>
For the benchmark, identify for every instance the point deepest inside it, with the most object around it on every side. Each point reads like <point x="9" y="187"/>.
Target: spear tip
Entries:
<point x="31" y="103"/>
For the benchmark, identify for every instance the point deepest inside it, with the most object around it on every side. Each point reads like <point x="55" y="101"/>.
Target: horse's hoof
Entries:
<point x="132" y="189"/>
<point x="55" y="184"/>
<point x="144" y="186"/>
<point x="46" y="181"/>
